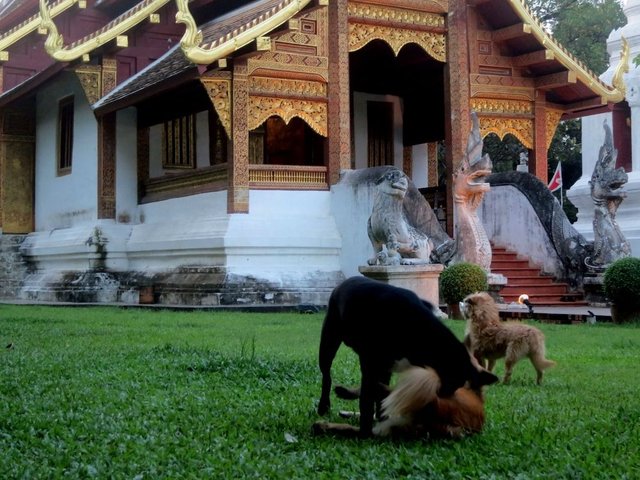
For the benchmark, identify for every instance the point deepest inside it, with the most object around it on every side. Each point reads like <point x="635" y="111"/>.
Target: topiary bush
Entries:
<point x="621" y="283"/>
<point x="461" y="279"/>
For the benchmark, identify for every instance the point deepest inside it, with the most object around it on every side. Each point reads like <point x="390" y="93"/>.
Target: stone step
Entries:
<point x="526" y="278"/>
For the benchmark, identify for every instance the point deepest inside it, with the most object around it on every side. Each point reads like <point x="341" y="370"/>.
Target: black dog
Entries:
<point x="384" y="324"/>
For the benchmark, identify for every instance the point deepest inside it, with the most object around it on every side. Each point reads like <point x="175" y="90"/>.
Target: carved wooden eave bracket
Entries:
<point x="114" y="30"/>
<point x="397" y="27"/>
<point x="577" y="69"/>
<point x="219" y="91"/>
<point x="212" y="50"/>
<point x="32" y="24"/>
<point x="97" y="80"/>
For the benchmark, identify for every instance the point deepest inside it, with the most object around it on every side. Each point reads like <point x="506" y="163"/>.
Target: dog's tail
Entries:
<point x="538" y="353"/>
<point x="415" y="388"/>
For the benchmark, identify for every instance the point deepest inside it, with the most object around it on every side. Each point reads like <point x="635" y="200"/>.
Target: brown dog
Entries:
<point x="383" y="325"/>
<point x="488" y="338"/>
<point x="413" y="409"/>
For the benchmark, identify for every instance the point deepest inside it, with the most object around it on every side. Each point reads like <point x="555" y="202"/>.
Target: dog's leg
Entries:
<point x="490" y="364"/>
<point x="369" y="388"/>
<point x="330" y="341"/>
<point x="509" y="362"/>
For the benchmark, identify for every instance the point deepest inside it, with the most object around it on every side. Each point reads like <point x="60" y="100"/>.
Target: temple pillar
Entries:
<point x="538" y="162"/>
<point x="238" y="194"/>
<point x="17" y="168"/>
<point x="338" y="116"/>
<point x="107" y="166"/>
<point x="457" y="104"/>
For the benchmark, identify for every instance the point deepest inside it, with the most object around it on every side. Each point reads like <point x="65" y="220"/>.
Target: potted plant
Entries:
<point x="459" y="280"/>
<point x="621" y="285"/>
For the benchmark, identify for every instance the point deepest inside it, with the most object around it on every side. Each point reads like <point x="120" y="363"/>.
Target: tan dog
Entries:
<point x="488" y="338"/>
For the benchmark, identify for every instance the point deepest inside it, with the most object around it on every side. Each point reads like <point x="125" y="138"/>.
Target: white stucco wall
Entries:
<point x="126" y="167"/>
<point x="67" y="200"/>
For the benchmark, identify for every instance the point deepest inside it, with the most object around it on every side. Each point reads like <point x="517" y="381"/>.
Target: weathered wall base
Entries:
<point x="13" y="268"/>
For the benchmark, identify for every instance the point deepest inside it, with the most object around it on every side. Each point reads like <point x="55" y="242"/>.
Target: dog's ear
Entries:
<point x="485" y="377"/>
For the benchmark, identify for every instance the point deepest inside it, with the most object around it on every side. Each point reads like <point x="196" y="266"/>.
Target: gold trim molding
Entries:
<point x="493" y="106"/>
<point x="434" y="44"/>
<point x="219" y="91"/>
<point x="283" y="86"/>
<point x="396" y="15"/>
<point x="209" y="52"/>
<point x="521" y="128"/>
<point x="32" y="24"/>
<point x="314" y="113"/>
<point x="54" y="44"/>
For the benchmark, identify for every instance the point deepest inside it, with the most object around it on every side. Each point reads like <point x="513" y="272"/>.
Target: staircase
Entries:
<point x="522" y="277"/>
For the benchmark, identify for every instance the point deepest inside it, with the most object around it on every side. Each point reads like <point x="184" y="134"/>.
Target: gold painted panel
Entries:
<point x="17" y="160"/>
<point x="384" y="13"/>
<point x="514" y="107"/>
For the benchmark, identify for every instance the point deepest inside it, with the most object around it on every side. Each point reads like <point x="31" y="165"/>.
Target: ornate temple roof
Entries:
<point x="567" y="81"/>
<point x="213" y="41"/>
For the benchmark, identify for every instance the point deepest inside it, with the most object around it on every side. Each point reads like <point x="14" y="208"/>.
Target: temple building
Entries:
<point x="191" y="148"/>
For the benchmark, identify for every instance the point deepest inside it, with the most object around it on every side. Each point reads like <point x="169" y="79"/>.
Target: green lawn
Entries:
<point x="133" y="393"/>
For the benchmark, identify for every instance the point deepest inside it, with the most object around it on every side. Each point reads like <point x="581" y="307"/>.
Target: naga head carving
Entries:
<point x="607" y="181"/>
<point x="469" y="184"/>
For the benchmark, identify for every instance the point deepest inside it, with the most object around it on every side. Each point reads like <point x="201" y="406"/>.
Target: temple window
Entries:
<point x="217" y="140"/>
<point x="65" y="135"/>
<point x="379" y="133"/>
<point x="278" y="143"/>
<point x="179" y="143"/>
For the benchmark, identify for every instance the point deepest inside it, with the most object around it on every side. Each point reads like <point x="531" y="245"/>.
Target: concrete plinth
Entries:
<point x="423" y="280"/>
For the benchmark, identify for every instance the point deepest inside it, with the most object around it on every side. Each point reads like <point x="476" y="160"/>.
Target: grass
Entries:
<point x="132" y="394"/>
